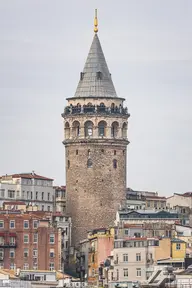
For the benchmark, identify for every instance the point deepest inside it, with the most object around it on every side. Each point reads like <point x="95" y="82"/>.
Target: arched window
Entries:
<point x="124" y="130"/>
<point x="114" y="129"/>
<point x="67" y="130"/>
<point x="102" y="128"/>
<point x="112" y="108"/>
<point x="89" y="163"/>
<point x="114" y="163"/>
<point x="76" y="129"/>
<point x="101" y="107"/>
<point x="88" y="127"/>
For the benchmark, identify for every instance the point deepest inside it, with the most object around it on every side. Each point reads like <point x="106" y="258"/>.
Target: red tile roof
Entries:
<point x="27" y="176"/>
<point x="63" y="188"/>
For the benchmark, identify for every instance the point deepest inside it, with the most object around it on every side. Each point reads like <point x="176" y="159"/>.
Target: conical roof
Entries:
<point x="95" y="80"/>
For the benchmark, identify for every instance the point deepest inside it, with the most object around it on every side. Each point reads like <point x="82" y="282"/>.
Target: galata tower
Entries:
<point x="95" y="139"/>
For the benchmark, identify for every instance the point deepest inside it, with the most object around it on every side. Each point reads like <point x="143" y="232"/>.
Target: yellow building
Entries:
<point x="178" y="248"/>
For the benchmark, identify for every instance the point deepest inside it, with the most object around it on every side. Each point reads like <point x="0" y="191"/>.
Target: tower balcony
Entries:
<point x="95" y="109"/>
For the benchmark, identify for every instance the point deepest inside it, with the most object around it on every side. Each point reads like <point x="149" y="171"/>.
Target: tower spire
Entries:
<point x="95" y="22"/>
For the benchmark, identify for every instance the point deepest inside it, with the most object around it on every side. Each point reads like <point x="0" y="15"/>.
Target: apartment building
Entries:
<point x="60" y="198"/>
<point x="146" y="216"/>
<point x="177" y="199"/>
<point x="150" y="229"/>
<point x="100" y="247"/>
<point x="133" y="258"/>
<point x="33" y="240"/>
<point x="28" y="187"/>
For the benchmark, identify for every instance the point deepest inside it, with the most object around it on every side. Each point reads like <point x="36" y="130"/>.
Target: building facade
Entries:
<point x="95" y="129"/>
<point x="28" y="187"/>
<point x="60" y="199"/>
<point x="34" y="239"/>
<point x="134" y="258"/>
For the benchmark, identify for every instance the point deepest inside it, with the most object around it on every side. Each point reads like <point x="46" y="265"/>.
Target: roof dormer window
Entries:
<point x="99" y="75"/>
<point x="82" y="75"/>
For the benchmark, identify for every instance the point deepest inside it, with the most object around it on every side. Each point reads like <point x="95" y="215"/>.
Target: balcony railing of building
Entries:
<point x="95" y="109"/>
<point x="8" y="245"/>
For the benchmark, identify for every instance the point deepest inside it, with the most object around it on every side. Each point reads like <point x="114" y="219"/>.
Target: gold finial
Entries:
<point x="95" y="22"/>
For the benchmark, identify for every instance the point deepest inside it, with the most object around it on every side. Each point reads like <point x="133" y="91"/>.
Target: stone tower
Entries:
<point x="95" y="129"/>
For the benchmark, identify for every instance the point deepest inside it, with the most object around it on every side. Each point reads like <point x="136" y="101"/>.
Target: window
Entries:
<point x="35" y="224"/>
<point x="35" y="253"/>
<point x="126" y="232"/>
<point x="88" y="127"/>
<point x="125" y="257"/>
<point x="51" y="266"/>
<point x="26" y="224"/>
<point x="138" y="271"/>
<point x="42" y="207"/>
<point x="124" y="130"/>
<point x="48" y="208"/>
<point x="12" y="266"/>
<point x="125" y="272"/>
<point x="26" y="252"/>
<point x="1" y="224"/>
<point x="101" y="128"/>
<point x="2" y="193"/>
<point x="25" y="266"/>
<point x="31" y="195"/>
<point x="52" y="253"/>
<point x="114" y="163"/>
<point x="42" y="196"/>
<point x="99" y="75"/>
<point x="48" y="196"/>
<point x="178" y="246"/>
<point x="138" y="256"/>
<point x="35" y="238"/>
<point x="114" y="129"/>
<point x="11" y="194"/>
<point x="76" y="129"/>
<point x="2" y="240"/>
<point x="18" y="194"/>
<point x="26" y="238"/>
<point x="12" y="224"/>
<point x="89" y="163"/>
<point x="68" y="164"/>
<point x="23" y="194"/>
<point x="12" y="240"/>
<point x="76" y="152"/>
<point x="11" y="253"/>
<point x="1" y="253"/>
<point x="35" y="267"/>
<point x="114" y="152"/>
<point x="52" y="238"/>
<point x="27" y="194"/>
<point x="36" y="195"/>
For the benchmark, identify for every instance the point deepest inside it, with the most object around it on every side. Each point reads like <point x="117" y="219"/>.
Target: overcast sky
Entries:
<point x="148" y="48"/>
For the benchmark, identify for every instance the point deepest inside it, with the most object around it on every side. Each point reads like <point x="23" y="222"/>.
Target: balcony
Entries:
<point x="86" y="109"/>
<point x="8" y="245"/>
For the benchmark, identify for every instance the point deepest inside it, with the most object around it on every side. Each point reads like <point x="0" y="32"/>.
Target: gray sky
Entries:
<point x="148" y="48"/>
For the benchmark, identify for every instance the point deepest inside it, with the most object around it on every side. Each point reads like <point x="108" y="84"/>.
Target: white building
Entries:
<point x="31" y="188"/>
<point x="184" y="200"/>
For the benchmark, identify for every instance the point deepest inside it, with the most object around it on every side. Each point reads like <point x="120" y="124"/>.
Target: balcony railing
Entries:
<point x="8" y="245"/>
<point x="94" y="110"/>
